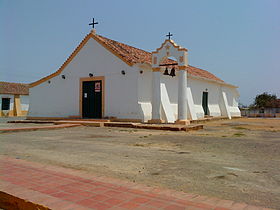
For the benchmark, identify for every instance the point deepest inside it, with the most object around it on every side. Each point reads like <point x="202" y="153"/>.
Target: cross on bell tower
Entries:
<point x="169" y="35"/>
<point x="93" y="23"/>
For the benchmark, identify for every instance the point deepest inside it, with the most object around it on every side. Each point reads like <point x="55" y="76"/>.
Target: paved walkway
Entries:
<point x="61" y="188"/>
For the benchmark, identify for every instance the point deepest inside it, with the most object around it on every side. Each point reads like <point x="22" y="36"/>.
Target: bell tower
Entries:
<point x="167" y="49"/>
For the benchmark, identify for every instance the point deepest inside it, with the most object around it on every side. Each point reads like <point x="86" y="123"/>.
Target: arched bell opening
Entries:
<point x="169" y="66"/>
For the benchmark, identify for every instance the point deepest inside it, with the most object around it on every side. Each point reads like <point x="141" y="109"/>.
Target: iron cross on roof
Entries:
<point x="169" y="35"/>
<point x="93" y="23"/>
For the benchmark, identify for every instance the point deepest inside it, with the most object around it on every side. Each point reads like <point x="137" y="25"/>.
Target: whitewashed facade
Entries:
<point x="128" y="89"/>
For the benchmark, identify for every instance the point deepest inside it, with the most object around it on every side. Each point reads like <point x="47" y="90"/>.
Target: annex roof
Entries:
<point x="14" y="88"/>
<point x="130" y="55"/>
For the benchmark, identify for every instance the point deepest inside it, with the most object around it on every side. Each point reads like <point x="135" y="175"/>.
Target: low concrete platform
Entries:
<point x="32" y="121"/>
<point x="169" y="127"/>
<point x="47" y="127"/>
<point x="106" y="123"/>
<point x="210" y="119"/>
<point x="80" y="122"/>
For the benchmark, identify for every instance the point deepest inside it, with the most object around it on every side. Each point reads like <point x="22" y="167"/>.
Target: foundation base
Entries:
<point x="155" y="121"/>
<point x="182" y="122"/>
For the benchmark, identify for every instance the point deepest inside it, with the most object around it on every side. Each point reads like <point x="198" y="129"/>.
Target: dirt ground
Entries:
<point x="230" y="159"/>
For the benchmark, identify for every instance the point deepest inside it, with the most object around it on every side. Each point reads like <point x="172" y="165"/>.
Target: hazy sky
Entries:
<point x="237" y="40"/>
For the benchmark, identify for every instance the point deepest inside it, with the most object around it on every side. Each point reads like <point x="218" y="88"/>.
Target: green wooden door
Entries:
<point x="205" y="103"/>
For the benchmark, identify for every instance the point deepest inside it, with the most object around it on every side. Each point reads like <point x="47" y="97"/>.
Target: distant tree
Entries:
<point x="265" y="100"/>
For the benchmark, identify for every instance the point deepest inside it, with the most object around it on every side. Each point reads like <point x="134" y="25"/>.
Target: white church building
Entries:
<point x="104" y="78"/>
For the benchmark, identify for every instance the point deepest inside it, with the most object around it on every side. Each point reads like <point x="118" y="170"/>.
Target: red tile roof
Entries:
<point x="134" y="55"/>
<point x="14" y="88"/>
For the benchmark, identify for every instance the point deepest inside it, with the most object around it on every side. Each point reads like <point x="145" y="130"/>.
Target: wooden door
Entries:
<point x="92" y="99"/>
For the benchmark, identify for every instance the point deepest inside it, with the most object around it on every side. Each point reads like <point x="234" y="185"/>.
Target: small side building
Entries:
<point x="14" y="99"/>
<point x="261" y="112"/>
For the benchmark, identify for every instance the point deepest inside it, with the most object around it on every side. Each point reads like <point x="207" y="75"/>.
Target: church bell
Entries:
<point x="166" y="71"/>
<point x="172" y="72"/>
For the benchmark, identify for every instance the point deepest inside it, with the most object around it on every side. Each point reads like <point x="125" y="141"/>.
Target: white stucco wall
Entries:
<point x="197" y="86"/>
<point x="61" y="97"/>
<point x="232" y="98"/>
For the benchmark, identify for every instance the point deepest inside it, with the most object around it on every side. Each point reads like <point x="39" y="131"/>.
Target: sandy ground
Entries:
<point x="231" y="159"/>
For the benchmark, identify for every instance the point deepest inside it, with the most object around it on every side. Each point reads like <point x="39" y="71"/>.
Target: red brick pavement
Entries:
<point x="61" y="188"/>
